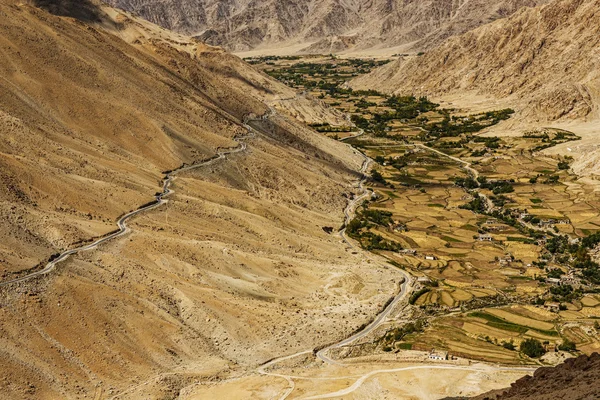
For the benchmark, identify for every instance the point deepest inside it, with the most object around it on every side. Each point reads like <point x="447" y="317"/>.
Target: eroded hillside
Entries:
<point x="323" y="27"/>
<point x="230" y="272"/>
<point x="542" y="61"/>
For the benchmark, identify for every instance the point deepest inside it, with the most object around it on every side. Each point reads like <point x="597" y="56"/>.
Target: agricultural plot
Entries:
<point x="485" y="239"/>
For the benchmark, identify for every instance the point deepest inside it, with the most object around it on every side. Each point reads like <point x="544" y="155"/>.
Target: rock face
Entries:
<point x="330" y="25"/>
<point x="544" y="59"/>
<point x="575" y="379"/>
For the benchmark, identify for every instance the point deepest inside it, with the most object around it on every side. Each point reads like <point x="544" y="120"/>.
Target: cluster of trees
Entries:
<point x="477" y="205"/>
<point x="377" y="177"/>
<point x="561" y="247"/>
<point x="398" y="334"/>
<point x="456" y="126"/>
<point x="534" y="348"/>
<point x="547" y="141"/>
<point x="326" y="127"/>
<point x="415" y="296"/>
<point x="497" y="187"/>
<point x="359" y="229"/>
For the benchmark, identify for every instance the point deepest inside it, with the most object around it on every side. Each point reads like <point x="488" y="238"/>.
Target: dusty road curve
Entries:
<point x="466" y="165"/>
<point x="362" y="379"/>
<point x="159" y="200"/>
<point x="378" y="320"/>
<point x="402" y="293"/>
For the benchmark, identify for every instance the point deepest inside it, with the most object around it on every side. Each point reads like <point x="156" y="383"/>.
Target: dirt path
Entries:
<point x="379" y="319"/>
<point x="160" y="199"/>
<point x="362" y="379"/>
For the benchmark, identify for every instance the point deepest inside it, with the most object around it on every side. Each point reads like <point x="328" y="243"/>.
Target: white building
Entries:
<point x="485" y="238"/>
<point x="438" y="355"/>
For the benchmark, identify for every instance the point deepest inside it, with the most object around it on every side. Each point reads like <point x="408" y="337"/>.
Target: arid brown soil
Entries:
<point x="228" y="274"/>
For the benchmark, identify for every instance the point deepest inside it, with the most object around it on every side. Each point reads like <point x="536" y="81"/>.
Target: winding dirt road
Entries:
<point x="349" y="213"/>
<point x="362" y="379"/>
<point x="403" y="293"/>
<point x="160" y="199"/>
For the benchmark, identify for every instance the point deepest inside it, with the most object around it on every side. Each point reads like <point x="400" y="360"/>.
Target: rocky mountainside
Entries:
<point x="544" y="61"/>
<point x="575" y="379"/>
<point x="323" y="26"/>
<point x="95" y="106"/>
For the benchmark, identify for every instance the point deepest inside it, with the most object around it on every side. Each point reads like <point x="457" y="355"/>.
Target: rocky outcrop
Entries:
<point x="575" y="379"/>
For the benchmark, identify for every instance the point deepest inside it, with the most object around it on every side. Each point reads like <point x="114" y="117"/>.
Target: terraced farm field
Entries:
<point x="500" y="236"/>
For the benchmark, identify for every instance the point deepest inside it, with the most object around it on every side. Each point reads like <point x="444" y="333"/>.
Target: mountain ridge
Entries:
<point x="537" y="59"/>
<point x="323" y="26"/>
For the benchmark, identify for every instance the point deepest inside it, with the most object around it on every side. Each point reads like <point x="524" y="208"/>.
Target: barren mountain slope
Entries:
<point x="94" y="106"/>
<point x="543" y="61"/>
<point x="575" y="379"/>
<point x="323" y="26"/>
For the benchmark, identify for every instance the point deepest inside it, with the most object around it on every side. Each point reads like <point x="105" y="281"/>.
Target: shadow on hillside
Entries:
<point x="84" y="10"/>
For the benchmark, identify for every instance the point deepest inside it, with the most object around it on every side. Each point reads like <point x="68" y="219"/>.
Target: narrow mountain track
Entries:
<point x="160" y="199"/>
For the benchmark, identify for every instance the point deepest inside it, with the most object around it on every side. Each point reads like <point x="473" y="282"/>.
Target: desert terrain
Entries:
<point x="182" y="223"/>
<point x="97" y="107"/>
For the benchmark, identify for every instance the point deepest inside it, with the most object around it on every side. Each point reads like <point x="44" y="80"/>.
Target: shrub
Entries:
<point x="567" y="345"/>
<point x="377" y="177"/>
<point x="508" y="345"/>
<point x="416" y="295"/>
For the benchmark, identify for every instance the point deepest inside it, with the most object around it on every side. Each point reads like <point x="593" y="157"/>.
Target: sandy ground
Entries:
<point x="365" y="381"/>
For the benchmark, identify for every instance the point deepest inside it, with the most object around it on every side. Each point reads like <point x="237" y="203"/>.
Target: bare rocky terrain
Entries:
<point x="242" y="265"/>
<point x="309" y="26"/>
<point x="575" y="379"/>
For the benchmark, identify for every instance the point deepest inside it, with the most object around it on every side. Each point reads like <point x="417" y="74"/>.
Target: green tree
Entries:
<point x="532" y="348"/>
<point x="377" y="177"/>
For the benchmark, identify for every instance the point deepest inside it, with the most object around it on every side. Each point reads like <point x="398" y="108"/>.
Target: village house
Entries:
<point x="399" y="228"/>
<point x="485" y="238"/>
<point x="554" y="281"/>
<point x="438" y="355"/>
<point x="570" y="279"/>
<point x="430" y="257"/>
<point x="552" y="306"/>
<point x="506" y="260"/>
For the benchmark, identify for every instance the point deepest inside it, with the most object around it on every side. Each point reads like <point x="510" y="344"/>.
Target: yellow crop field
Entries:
<point x="508" y="315"/>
